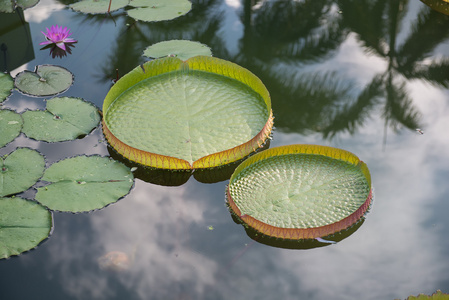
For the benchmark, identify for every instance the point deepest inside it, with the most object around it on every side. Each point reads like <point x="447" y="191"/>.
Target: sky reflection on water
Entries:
<point x="400" y="249"/>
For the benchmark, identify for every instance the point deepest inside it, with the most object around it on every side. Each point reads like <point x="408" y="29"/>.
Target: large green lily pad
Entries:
<point x="158" y="10"/>
<point x="300" y="191"/>
<point x="6" y="86"/>
<point x="24" y="224"/>
<point x="98" y="6"/>
<point x="10" y="126"/>
<point x="84" y="183"/>
<point x="20" y="170"/>
<point x="46" y="80"/>
<point x="200" y="113"/>
<point x="65" y="118"/>
<point x="182" y="49"/>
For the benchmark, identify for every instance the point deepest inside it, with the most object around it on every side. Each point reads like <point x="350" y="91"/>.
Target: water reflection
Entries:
<point x="401" y="248"/>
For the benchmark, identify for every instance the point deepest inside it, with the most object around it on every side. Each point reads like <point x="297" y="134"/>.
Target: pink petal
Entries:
<point x="61" y="45"/>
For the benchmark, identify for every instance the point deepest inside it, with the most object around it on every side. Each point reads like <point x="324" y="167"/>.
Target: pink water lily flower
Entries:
<point x="58" y="36"/>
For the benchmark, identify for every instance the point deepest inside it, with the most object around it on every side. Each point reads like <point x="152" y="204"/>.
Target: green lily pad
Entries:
<point x="10" y="126"/>
<point x="6" y="86"/>
<point x="300" y="191"/>
<point x="20" y="170"/>
<point x="65" y="119"/>
<point x="98" y="6"/>
<point x="8" y="6"/>
<point x="24" y="224"/>
<point x="177" y="48"/>
<point x="84" y="183"/>
<point x="158" y="10"/>
<point x="200" y="113"/>
<point x="46" y="80"/>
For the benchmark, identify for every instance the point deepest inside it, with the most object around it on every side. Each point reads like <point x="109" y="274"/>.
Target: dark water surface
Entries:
<point x="358" y="75"/>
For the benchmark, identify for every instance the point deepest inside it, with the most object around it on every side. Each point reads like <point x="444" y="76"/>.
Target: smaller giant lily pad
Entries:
<point x="158" y="10"/>
<point x="20" y="170"/>
<point x="6" y="86"/>
<point x="10" y="125"/>
<point x="84" y="183"/>
<point x="46" y="80"/>
<point x="300" y="191"/>
<point x="24" y="224"/>
<point x="178" y="48"/>
<point x="66" y="118"/>
<point x="98" y="6"/>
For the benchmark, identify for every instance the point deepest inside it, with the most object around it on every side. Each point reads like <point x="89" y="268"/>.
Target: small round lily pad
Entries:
<point x="300" y="191"/>
<point x="6" y="86"/>
<point x="24" y="224"/>
<point x="65" y="118"/>
<point x="178" y="48"/>
<point x="158" y="10"/>
<point x="84" y="183"/>
<point x="20" y="170"/>
<point x="98" y="6"/>
<point x="10" y="125"/>
<point x="46" y="80"/>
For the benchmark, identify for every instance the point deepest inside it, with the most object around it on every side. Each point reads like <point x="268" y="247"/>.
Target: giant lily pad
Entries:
<point x="179" y="48"/>
<point x="23" y="225"/>
<point x="300" y="191"/>
<point x="66" y="118"/>
<point x="98" y="6"/>
<point x="200" y="113"/>
<point x="84" y="183"/>
<point x="6" y="86"/>
<point x="158" y="10"/>
<point x="20" y="170"/>
<point x="10" y="125"/>
<point x="46" y="80"/>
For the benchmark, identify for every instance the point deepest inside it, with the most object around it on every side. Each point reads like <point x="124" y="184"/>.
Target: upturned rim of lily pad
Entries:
<point x="310" y="232"/>
<point x="204" y="64"/>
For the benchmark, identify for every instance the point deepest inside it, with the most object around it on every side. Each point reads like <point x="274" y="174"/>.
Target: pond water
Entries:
<point x="358" y="75"/>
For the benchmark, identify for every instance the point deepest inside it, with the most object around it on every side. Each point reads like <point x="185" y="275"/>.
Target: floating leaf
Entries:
<point x="98" y="6"/>
<point x="300" y="191"/>
<point x="200" y="113"/>
<point x="178" y="48"/>
<point x="438" y="295"/>
<point x="8" y="6"/>
<point x="158" y="10"/>
<point x="20" y="170"/>
<point x="10" y="126"/>
<point x="84" y="183"/>
<point x="6" y="86"/>
<point x="66" y="118"/>
<point x="24" y="224"/>
<point x="46" y="80"/>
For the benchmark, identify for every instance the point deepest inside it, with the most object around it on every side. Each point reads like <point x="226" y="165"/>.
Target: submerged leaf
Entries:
<point x="20" y="170"/>
<point x="98" y="6"/>
<point x="46" y="80"/>
<point x="10" y="126"/>
<point x="84" y="183"/>
<point x="300" y="191"/>
<point x="66" y="118"/>
<point x="23" y="225"/>
<point x="178" y="48"/>
<point x="158" y="10"/>
<point x="6" y="86"/>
